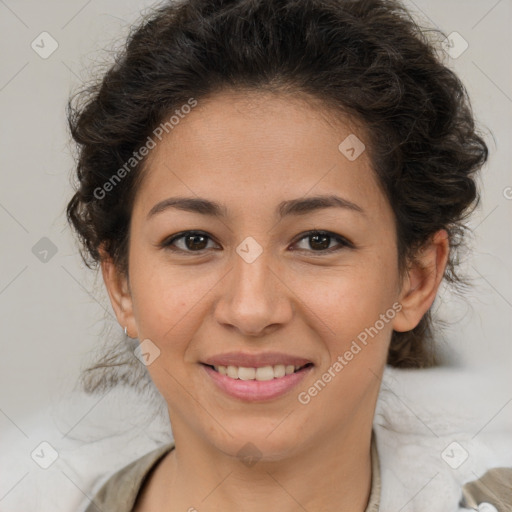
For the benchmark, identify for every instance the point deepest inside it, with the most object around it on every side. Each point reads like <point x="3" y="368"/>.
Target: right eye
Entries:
<point x="191" y="241"/>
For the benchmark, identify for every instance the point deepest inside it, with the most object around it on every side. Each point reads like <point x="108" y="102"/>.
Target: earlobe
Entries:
<point x="422" y="281"/>
<point x="119" y="293"/>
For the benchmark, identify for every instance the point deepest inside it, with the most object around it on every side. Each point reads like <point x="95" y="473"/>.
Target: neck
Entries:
<point x="334" y="475"/>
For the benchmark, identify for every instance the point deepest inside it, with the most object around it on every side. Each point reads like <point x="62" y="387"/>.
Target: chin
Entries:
<point x="248" y="442"/>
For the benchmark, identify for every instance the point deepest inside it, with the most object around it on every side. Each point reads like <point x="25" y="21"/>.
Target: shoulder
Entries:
<point x="493" y="488"/>
<point x="119" y="492"/>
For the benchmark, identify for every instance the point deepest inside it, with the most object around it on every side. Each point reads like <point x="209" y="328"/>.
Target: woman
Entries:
<point x="274" y="192"/>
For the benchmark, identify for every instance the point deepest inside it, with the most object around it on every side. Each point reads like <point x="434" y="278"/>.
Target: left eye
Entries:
<point x="320" y="241"/>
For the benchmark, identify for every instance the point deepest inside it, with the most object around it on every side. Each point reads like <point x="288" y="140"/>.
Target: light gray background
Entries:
<point x="51" y="313"/>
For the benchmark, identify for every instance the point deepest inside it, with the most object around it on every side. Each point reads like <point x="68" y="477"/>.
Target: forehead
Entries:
<point x="258" y="147"/>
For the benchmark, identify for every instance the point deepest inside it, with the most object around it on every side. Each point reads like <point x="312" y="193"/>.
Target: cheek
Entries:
<point x="171" y="302"/>
<point x="351" y="302"/>
<point x="168" y="302"/>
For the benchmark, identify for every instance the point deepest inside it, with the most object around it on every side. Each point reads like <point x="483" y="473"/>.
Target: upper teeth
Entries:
<point x="262" y="373"/>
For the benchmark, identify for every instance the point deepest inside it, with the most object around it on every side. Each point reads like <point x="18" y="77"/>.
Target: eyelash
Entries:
<point x="344" y="243"/>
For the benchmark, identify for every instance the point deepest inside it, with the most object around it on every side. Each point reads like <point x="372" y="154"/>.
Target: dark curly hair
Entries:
<point x="367" y="59"/>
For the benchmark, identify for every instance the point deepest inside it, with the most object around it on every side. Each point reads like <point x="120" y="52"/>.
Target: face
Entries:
<point x="254" y="270"/>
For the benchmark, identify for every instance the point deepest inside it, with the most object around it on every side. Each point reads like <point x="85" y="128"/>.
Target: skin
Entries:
<point x="249" y="152"/>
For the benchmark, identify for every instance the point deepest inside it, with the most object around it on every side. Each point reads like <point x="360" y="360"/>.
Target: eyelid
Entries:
<point x="343" y="242"/>
<point x="167" y="242"/>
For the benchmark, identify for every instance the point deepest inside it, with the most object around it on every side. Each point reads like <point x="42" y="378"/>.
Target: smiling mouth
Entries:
<point x="263" y="373"/>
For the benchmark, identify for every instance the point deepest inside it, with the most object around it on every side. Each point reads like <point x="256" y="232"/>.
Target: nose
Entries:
<point x="254" y="298"/>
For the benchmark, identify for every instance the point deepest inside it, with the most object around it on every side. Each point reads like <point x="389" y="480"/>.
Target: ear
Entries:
<point x="118" y="289"/>
<point x="422" y="281"/>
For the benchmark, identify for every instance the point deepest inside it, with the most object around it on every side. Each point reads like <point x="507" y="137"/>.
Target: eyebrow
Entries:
<point x="301" y="206"/>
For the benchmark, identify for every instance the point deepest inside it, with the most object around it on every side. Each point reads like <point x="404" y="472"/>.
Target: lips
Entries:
<point x="256" y="377"/>
<point x="256" y="388"/>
